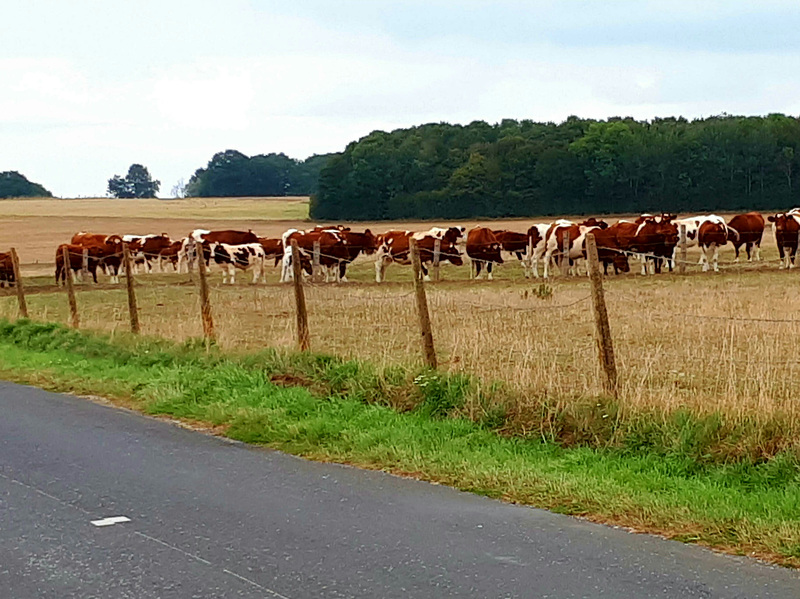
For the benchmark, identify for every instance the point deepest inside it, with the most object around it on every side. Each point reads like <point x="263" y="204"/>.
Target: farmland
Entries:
<point x="707" y="363"/>
<point x="679" y="342"/>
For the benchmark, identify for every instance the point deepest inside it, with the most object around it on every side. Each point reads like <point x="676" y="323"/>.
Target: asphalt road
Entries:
<point x="209" y="518"/>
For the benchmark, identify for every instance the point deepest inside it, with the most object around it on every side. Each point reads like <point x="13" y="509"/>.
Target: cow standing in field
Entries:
<point x="612" y="247"/>
<point x="243" y="257"/>
<point x="146" y="250"/>
<point x="75" y="261"/>
<point x="537" y="245"/>
<point x="170" y="255"/>
<point x="484" y="247"/>
<point x="575" y="236"/>
<point x="519" y="245"/>
<point x="711" y="236"/>
<point x="787" y="227"/>
<point x="108" y="252"/>
<point x="6" y="270"/>
<point x="203" y="238"/>
<point x="750" y="228"/>
<point x="395" y="247"/>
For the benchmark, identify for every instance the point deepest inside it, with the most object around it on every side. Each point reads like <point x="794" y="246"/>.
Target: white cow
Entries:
<point x="535" y="253"/>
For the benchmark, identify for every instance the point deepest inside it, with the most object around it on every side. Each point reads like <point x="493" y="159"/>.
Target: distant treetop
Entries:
<point x="15" y="185"/>
<point x="233" y="174"/>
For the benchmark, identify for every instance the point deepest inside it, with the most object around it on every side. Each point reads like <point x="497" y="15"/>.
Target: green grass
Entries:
<point x="412" y="423"/>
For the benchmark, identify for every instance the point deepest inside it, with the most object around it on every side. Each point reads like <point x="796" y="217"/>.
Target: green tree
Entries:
<point x="136" y="184"/>
<point x="15" y="185"/>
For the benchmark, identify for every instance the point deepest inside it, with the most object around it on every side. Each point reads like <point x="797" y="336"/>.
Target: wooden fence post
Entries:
<point x="191" y="253"/>
<point x="316" y="269"/>
<point x="85" y="265"/>
<point x="23" y="305"/>
<point x="437" y="252"/>
<point x="605" y="346"/>
<point x="205" y="304"/>
<point x="565" y="253"/>
<point x="303" y="337"/>
<point x="422" y="308"/>
<point x="132" y="308"/>
<point x="73" y="305"/>
<point x="682" y="255"/>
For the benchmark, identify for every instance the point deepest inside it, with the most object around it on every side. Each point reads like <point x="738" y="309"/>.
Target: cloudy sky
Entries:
<point x="88" y="87"/>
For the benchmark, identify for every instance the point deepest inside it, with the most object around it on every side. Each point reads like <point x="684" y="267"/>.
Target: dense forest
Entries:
<point x="15" y="185"/>
<point x="580" y="166"/>
<point x="233" y="174"/>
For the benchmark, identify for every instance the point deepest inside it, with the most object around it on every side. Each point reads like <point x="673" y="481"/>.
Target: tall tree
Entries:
<point x="136" y="184"/>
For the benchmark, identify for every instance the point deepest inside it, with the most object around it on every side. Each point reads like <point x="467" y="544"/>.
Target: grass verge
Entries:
<point x="414" y="423"/>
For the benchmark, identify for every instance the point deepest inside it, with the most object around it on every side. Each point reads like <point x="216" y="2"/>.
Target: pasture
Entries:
<point x="702" y="342"/>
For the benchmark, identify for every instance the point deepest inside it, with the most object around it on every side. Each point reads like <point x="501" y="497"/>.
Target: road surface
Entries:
<point x="210" y="518"/>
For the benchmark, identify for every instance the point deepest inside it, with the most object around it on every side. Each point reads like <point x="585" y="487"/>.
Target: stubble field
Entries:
<point x="703" y="342"/>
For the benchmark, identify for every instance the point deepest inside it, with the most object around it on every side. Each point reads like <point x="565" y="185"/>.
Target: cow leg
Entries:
<point x="547" y="257"/>
<point x="343" y="272"/>
<point x="758" y="251"/>
<point x="791" y="255"/>
<point x="489" y="270"/>
<point x="425" y="275"/>
<point x="286" y="267"/>
<point x="736" y="249"/>
<point x="716" y="258"/>
<point x="477" y="264"/>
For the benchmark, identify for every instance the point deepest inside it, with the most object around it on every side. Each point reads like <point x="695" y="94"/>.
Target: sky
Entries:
<point x="88" y="87"/>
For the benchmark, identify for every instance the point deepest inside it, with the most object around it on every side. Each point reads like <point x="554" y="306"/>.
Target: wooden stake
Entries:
<point x="565" y="253"/>
<point x="85" y="265"/>
<point x="682" y="253"/>
<point x="316" y="269"/>
<point x="73" y="305"/>
<point x="605" y="346"/>
<point x="23" y="305"/>
<point x="426" y="332"/>
<point x="303" y="337"/>
<point x="132" y="308"/>
<point x="437" y="250"/>
<point x="205" y="304"/>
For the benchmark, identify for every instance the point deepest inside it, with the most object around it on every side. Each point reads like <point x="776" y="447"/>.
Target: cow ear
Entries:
<point x="771" y="219"/>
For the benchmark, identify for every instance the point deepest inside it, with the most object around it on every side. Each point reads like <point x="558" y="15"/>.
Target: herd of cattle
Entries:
<point x="652" y="239"/>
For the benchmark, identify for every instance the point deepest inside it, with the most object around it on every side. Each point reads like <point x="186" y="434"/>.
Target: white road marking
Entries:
<point x="111" y="521"/>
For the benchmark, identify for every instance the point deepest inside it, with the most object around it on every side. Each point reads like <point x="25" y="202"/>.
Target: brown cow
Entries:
<point x="612" y="247"/>
<point x="109" y="256"/>
<point x="483" y="246"/>
<point x="273" y="248"/>
<point x="395" y="247"/>
<point x="6" y="270"/>
<point x="750" y="227"/>
<point x="75" y="252"/>
<point x="170" y="254"/>
<point x="786" y="227"/>
<point x="332" y="251"/>
<point x="564" y="232"/>
<point x="518" y="244"/>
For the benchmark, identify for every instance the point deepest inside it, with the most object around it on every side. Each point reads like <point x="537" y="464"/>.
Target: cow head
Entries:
<point x="534" y="236"/>
<point x="370" y="242"/>
<point x="593" y="222"/>
<point x="453" y="234"/>
<point x="621" y="262"/>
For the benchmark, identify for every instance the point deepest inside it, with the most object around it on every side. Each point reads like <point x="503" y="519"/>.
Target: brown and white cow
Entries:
<point x="395" y="247"/>
<point x="537" y="245"/>
<point x="655" y="240"/>
<point x="612" y="247"/>
<point x="483" y="247"/>
<point x="242" y="256"/>
<point x="575" y="235"/>
<point x="338" y="247"/>
<point x="787" y="227"/>
<point x="711" y="236"/>
<point x="146" y="249"/>
<point x="273" y="249"/>
<point x="750" y="228"/>
<point x="6" y="270"/>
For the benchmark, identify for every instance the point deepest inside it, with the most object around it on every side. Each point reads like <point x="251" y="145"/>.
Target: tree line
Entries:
<point x="579" y="166"/>
<point x="15" y="185"/>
